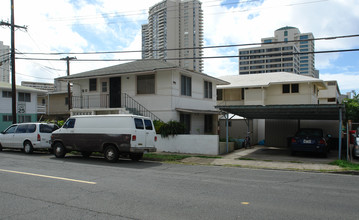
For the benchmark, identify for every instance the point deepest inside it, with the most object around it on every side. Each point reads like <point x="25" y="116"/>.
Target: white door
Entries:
<point x="150" y="133"/>
<point x="140" y="133"/>
<point x="7" y="136"/>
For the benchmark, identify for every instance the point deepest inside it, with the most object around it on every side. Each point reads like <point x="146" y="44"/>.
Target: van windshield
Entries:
<point x="70" y="123"/>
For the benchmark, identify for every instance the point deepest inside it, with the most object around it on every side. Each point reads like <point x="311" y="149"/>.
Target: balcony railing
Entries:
<point x="103" y="101"/>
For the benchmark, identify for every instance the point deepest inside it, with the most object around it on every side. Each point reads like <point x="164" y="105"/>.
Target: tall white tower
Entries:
<point x="175" y="33"/>
<point x="4" y="63"/>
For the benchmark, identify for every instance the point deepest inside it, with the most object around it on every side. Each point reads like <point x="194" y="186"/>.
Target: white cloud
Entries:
<point x="52" y="29"/>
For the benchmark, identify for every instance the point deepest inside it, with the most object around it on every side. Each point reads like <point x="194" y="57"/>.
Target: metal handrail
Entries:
<point x="136" y="108"/>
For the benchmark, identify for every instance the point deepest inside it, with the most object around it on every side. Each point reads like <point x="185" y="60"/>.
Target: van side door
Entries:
<point x="140" y="133"/>
<point x="150" y="133"/>
<point x="20" y="135"/>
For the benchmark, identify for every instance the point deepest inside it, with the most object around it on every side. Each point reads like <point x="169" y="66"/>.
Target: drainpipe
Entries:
<point x="340" y="134"/>
<point x="227" y="119"/>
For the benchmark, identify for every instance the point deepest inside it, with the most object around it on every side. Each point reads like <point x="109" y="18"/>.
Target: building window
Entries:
<point x="242" y="93"/>
<point x="104" y="86"/>
<point x="24" y="97"/>
<point x="219" y="94"/>
<point x="185" y="119"/>
<point x="285" y="33"/>
<point x="208" y="123"/>
<point x="290" y="88"/>
<point x="295" y="88"/>
<point x="146" y="84"/>
<point x="186" y="86"/>
<point x="6" y="94"/>
<point x="332" y="100"/>
<point x="7" y="118"/>
<point x="24" y="118"/>
<point x="207" y="89"/>
<point x="285" y="88"/>
<point x="66" y="100"/>
<point x="93" y="85"/>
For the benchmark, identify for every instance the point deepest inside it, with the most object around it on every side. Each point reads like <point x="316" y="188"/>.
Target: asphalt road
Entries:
<point x="40" y="186"/>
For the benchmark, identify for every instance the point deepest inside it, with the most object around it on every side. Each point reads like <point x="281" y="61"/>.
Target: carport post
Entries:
<point x="340" y="134"/>
<point x="227" y="130"/>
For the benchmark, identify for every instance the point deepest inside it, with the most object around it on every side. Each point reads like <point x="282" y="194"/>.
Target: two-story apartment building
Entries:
<point x="280" y="89"/>
<point x="157" y="89"/>
<point x="26" y="104"/>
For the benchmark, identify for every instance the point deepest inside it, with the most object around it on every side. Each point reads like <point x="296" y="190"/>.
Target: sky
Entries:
<point x="78" y="26"/>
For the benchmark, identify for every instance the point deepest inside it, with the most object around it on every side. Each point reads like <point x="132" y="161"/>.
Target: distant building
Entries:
<point x="28" y="107"/>
<point x="173" y="26"/>
<point x="39" y="85"/>
<point x="288" y="56"/>
<point x="4" y="63"/>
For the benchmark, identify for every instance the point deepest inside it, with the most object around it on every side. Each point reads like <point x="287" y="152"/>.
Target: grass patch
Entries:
<point x="346" y="164"/>
<point x="173" y="157"/>
<point x="164" y="157"/>
<point x="245" y="158"/>
<point x="295" y="161"/>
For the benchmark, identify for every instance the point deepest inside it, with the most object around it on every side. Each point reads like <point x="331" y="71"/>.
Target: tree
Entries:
<point x="352" y="107"/>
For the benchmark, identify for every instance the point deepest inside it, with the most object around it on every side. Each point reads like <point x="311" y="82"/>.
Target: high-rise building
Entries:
<point x="4" y="63"/>
<point x="174" y="33"/>
<point x="288" y="51"/>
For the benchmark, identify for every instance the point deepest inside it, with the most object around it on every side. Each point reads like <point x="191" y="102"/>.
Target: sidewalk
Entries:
<point x="267" y="158"/>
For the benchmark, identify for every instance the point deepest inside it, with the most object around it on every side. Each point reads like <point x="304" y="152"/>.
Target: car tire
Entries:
<point x="86" y="154"/>
<point x="59" y="150"/>
<point x="0" y="147"/>
<point x="28" y="148"/>
<point x="136" y="156"/>
<point x="111" y="154"/>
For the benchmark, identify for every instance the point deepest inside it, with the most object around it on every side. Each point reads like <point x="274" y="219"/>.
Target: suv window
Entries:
<point x="21" y="129"/>
<point x="31" y="128"/>
<point x="47" y="128"/>
<point x="139" y="123"/>
<point x="148" y="124"/>
<point x="11" y="130"/>
<point x="70" y="123"/>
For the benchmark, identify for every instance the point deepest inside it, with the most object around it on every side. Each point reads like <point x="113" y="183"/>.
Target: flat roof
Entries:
<point x="299" y="112"/>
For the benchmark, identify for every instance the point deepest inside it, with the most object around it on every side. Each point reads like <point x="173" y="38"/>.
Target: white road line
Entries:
<point x="45" y="176"/>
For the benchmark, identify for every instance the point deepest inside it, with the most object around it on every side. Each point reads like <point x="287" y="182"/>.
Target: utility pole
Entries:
<point x="68" y="83"/>
<point x="13" y="81"/>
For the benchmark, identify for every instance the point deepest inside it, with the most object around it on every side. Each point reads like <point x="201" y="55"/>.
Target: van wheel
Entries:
<point x="59" y="150"/>
<point x="28" y="149"/>
<point x="111" y="154"/>
<point x="0" y="147"/>
<point x="136" y="157"/>
<point x="86" y="154"/>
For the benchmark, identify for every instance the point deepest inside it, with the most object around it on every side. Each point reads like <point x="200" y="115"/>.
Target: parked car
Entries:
<point x="309" y="140"/>
<point x="112" y="135"/>
<point x="27" y="136"/>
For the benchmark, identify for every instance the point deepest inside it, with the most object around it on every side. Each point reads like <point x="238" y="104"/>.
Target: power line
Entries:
<point x="193" y="48"/>
<point x="212" y="57"/>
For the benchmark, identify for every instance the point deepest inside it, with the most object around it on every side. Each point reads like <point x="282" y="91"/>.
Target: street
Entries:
<point x="39" y="186"/>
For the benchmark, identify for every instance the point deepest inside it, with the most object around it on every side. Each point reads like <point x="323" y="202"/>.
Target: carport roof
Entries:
<point x="303" y="112"/>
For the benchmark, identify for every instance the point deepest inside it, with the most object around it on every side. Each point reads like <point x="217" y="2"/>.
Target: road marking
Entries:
<point x="45" y="176"/>
<point x="245" y="203"/>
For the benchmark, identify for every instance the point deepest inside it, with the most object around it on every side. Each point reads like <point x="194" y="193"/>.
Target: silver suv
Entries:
<point x="27" y="136"/>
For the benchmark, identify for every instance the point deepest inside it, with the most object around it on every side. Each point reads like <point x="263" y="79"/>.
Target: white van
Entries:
<point x="112" y="135"/>
<point x="27" y="136"/>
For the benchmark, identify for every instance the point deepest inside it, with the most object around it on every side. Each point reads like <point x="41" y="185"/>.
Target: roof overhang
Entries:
<point x="299" y="112"/>
<point x="198" y="111"/>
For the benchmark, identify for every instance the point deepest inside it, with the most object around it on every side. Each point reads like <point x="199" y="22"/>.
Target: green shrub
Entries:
<point x="171" y="128"/>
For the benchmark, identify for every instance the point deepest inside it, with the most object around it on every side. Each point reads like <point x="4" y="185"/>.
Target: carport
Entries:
<point x="298" y="112"/>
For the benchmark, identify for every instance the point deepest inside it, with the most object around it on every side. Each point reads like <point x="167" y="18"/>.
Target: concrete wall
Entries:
<point x="192" y="144"/>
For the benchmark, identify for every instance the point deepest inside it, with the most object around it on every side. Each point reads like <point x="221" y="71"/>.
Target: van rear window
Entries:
<point x="148" y="125"/>
<point x="139" y="123"/>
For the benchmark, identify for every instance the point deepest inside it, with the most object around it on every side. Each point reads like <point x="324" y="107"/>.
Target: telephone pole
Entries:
<point x="12" y="57"/>
<point x="68" y="83"/>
